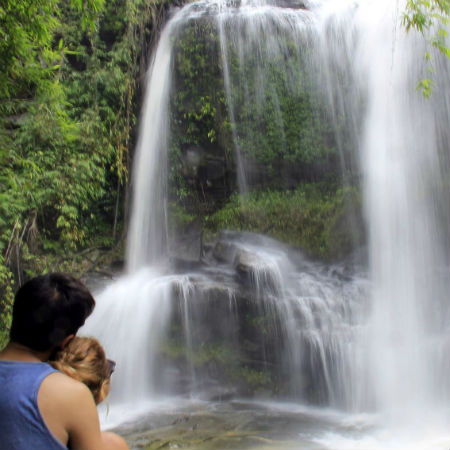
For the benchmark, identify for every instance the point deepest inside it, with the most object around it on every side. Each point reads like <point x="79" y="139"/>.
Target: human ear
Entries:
<point x="66" y="341"/>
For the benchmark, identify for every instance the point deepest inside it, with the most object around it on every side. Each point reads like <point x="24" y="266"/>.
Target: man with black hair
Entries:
<point x="41" y="408"/>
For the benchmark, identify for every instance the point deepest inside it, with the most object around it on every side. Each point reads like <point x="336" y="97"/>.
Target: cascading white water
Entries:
<point x="129" y="320"/>
<point x="403" y="183"/>
<point x="386" y="352"/>
<point x="147" y="238"/>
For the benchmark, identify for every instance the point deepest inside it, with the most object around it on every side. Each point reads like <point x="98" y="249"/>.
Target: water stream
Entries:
<point x="362" y="348"/>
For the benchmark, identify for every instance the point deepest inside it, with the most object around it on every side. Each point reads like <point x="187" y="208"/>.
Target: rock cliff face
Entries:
<point x="207" y="174"/>
<point x="249" y="113"/>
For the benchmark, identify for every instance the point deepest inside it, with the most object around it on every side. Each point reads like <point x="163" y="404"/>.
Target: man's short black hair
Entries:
<point x="49" y="308"/>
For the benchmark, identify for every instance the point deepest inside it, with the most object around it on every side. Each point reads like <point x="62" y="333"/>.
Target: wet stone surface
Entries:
<point x="232" y="425"/>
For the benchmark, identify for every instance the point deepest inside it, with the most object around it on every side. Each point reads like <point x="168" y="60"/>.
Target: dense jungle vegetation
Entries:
<point x="69" y="80"/>
<point x="70" y="89"/>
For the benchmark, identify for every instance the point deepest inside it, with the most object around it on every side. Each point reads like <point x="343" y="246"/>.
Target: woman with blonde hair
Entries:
<point x="84" y="359"/>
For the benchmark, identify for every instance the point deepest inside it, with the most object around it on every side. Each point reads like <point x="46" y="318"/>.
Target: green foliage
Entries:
<point x="280" y="118"/>
<point x="203" y="354"/>
<point x="6" y="300"/>
<point x="208" y="353"/>
<point x="220" y="358"/>
<point x="67" y="109"/>
<point x="312" y="217"/>
<point x="257" y="380"/>
<point x="423" y="15"/>
<point x="431" y="19"/>
<point x="26" y="31"/>
<point x="198" y="107"/>
<point x="426" y="87"/>
<point x="179" y="216"/>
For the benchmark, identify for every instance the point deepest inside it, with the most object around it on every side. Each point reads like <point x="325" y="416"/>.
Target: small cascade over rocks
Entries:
<point x="255" y="319"/>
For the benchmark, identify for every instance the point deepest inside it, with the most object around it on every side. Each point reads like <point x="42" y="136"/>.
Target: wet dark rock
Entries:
<point x="180" y="265"/>
<point x="225" y="252"/>
<point x="207" y="169"/>
<point x="292" y="4"/>
<point x="222" y="394"/>
<point x="191" y="162"/>
<point x="117" y="265"/>
<point x="244" y="264"/>
<point x="98" y="280"/>
<point x="186" y="245"/>
<point x="230" y="425"/>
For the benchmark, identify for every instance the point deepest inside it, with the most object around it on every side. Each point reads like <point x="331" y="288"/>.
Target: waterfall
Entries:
<point x="147" y="240"/>
<point x="147" y="237"/>
<point x="403" y="147"/>
<point x="374" y="339"/>
<point x="129" y="321"/>
<point x="401" y="159"/>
